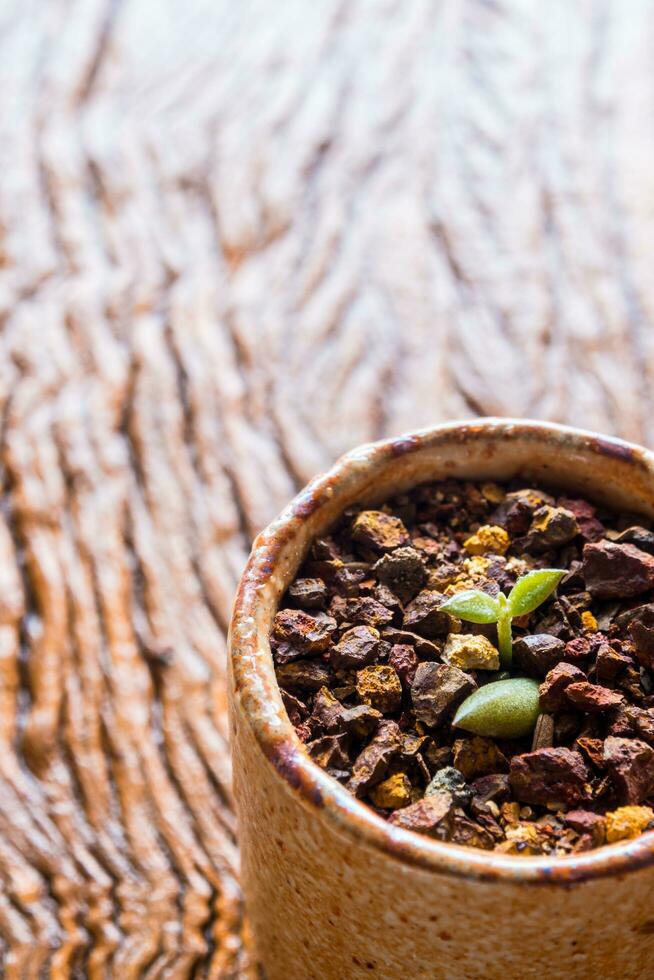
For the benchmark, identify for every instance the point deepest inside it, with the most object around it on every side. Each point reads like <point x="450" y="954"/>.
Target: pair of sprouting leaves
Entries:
<point x="507" y="708"/>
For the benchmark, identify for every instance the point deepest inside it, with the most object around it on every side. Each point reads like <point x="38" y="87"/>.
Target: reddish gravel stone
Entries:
<point x="494" y="787"/>
<point x="640" y="536"/>
<point x="426" y="649"/>
<point x="470" y="833"/>
<point x="311" y="634"/>
<point x="297" y="711"/>
<point x="405" y="661"/>
<point x="645" y="724"/>
<point x="610" y="663"/>
<point x="592" y="698"/>
<point x="592" y="749"/>
<point x="617" y="570"/>
<point x="630" y="763"/>
<point x="285" y="653"/>
<point x="431" y="816"/>
<point x="578" y="651"/>
<point x="624" y="721"/>
<point x="552" y="690"/>
<point x="590" y="528"/>
<point x="587" y="822"/>
<point x="641" y="630"/>
<point x="549" y="776"/>
<point x="367" y="611"/>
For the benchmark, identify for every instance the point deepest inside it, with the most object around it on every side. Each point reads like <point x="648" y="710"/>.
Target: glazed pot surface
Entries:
<point x="333" y="891"/>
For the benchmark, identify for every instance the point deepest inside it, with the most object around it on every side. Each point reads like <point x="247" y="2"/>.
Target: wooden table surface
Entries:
<point x="236" y="238"/>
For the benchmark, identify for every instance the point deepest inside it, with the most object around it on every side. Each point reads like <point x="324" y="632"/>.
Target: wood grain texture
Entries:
<point x="237" y="238"/>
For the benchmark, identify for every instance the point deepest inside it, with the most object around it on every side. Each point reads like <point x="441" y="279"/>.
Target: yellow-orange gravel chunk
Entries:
<point x="470" y="652"/>
<point x="627" y="822"/>
<point x="589" y="622"/>
<point x="380" y="687"/>
<point x="490" y="538"/>
<point x="393" y="793"/>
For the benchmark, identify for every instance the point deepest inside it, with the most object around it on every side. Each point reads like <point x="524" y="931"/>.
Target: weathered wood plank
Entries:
<point x="233" y="242"/>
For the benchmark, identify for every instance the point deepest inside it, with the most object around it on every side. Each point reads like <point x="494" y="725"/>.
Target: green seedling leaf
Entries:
<point x="532" y="589"/>
<point x="474" y="606"/>
<point x="503" y="709"/>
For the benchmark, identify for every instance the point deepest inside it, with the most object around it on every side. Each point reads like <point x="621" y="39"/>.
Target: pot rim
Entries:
<point x="255" y="685"/>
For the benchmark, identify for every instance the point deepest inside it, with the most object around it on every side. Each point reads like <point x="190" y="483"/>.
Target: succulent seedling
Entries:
<point x="502" y="709"/>
<point x="475" y="606"/>
<point x="506" y="708"/>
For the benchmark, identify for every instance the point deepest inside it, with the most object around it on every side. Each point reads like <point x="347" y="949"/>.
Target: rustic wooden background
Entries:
<point x="237" y="237"/>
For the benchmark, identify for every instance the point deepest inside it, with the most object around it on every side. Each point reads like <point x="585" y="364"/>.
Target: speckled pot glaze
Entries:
<point x="333" y="891"/>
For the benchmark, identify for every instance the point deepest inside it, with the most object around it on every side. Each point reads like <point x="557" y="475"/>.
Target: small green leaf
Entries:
<point x="503" y="709"/>
<point x="474" y="606"/>
<point x="532" y="589"/>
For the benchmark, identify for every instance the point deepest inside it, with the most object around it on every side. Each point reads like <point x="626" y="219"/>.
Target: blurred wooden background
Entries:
<point x="236" y="238"/>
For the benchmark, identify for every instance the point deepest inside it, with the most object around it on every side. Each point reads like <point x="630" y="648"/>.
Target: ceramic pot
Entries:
<point x="334" y="892"/>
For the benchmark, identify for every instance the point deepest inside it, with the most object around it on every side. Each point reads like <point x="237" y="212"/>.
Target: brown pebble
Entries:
<point x="437" y="690"/>
<point x="587" y="822"/>
<point x="371" y="765"/>
<point x="356" y="648"/>
<point x="641" y="631"/>
<point x="329" y="752"/>
<point x="610" y="663"/>
<point x="404" y="659"/>
<point x="552" y="690"/>
<point x="303" y="675"/>
<point x="516" y="510"/>
<point x="360" y="720"/>
<point x="549" y="776"/>
<point x="431" y="816"/>
<point x="311" y="634"/>
<point x="617" y="570"/>
<point x="592" y="698"/>
<point x="630" y="764"/>
<point x="426" y="649"/>
<point x="478" y="756"/>
<point x="491" y="788"/>
<point x="296" y="710"/>
<point x="423" y="614"/>
<point x="403" y="571"/>
<point x="308" y="593"/>
<point x="327" y="712"/>
<point x="379" y="531"/>
<point x="551" y="527"/>
<point x="538" y="653"/>
<point x="367" y="611"/>
<point x="543" y="733"/>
